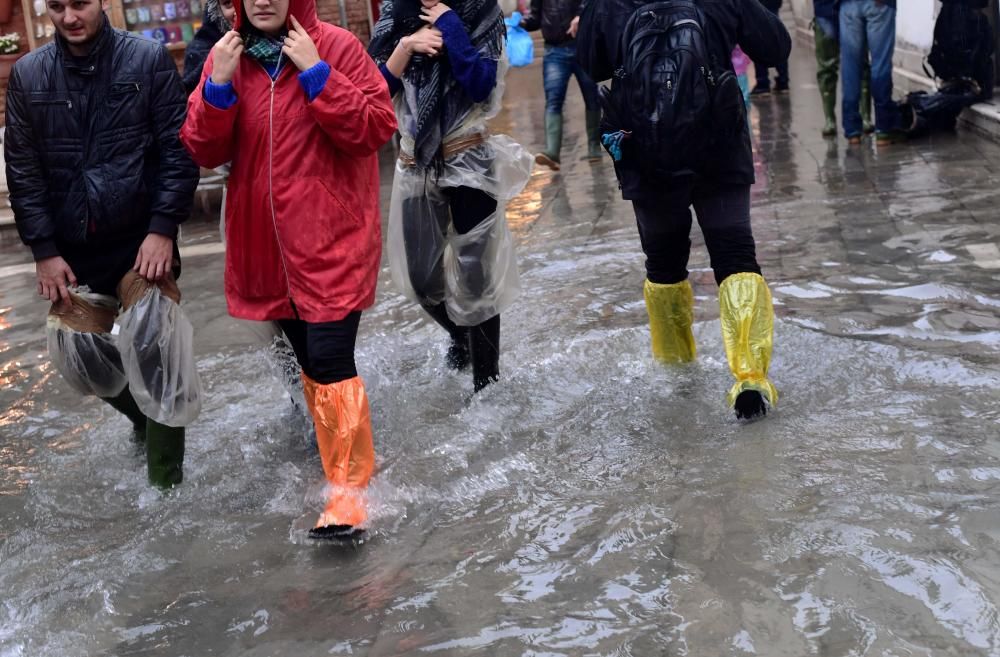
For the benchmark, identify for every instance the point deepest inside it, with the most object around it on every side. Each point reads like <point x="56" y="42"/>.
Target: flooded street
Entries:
<point x="593" y="502"/>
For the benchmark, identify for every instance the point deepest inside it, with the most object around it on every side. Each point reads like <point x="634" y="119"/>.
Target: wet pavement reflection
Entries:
<point x="592" y="502"/>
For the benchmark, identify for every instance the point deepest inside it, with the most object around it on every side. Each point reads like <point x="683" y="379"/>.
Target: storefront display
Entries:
<point x="171" y="23"/>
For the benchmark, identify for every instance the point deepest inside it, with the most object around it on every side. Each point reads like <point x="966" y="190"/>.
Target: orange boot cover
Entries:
<point x="344" y="437"/>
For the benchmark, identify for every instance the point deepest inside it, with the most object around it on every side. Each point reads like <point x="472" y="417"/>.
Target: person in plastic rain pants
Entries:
<point x="450" y="249"/>
<point x="300" y="110"/>
<point x="99" y="183"/>
<point x="720" y="194"/>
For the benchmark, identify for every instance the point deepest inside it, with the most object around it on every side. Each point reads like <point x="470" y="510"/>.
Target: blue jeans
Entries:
<point x="559" y="65"/>
<point x="867" y="22"/>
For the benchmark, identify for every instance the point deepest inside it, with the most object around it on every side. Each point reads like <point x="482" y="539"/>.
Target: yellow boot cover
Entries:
<point x="747" y="319"/>
<point x="344" y="437"/>
<point x="671" y="313"/>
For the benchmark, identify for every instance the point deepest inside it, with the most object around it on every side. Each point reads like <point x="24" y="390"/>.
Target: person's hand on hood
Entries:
<point x="299" y="47"/>
<point x="226" y="57"/>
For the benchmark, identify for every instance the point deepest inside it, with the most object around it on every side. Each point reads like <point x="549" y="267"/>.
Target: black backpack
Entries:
<point x="963" y="45"/>
<point x="670" y="102"/>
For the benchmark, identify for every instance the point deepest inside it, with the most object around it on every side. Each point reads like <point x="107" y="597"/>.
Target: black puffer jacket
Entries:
<point x="92" y="144"/>
<point x="554" y="17"/>
<point x="758" y="32"/>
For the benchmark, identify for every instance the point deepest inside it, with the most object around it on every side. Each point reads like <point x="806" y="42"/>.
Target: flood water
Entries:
<point x="593" y="502"/>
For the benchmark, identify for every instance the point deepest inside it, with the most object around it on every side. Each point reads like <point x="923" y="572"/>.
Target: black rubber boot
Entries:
<point x="750" y="405"/>
<point x="125" y="404"/>
<point x="458" y="351"/>
<point x="485" y="346"/>
<point x="164" y="454"/>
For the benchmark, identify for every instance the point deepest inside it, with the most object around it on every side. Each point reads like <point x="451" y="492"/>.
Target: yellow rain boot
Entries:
<point x="747" y="319"/>
<point x="344" y="436"/>
<point x="671" y="313"/>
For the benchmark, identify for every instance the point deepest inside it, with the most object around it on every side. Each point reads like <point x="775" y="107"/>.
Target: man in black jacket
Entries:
<point x="719" y="189"/>
<point x="98" y="178"/>
<point x="559" y="20"/>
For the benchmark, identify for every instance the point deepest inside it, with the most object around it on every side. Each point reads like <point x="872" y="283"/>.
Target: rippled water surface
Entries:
<point x="593" y="502"/>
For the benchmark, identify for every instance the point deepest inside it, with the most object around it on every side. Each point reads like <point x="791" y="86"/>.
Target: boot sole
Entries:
<point x="547" y="161"/>
<point x="337" y="534"/>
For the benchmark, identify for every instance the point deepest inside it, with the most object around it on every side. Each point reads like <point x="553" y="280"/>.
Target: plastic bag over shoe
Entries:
<point x="81" y="345"/>
<point x="156" y="341"/>
<point x="746" y="316"/>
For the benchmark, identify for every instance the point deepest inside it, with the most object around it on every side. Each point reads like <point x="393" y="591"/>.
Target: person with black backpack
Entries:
<point x="675" y="124"/>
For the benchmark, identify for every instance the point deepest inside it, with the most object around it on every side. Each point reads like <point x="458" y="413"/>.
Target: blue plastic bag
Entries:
<point x="520" y="47"/>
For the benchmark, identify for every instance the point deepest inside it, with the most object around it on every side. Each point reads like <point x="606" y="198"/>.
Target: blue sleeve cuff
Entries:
<point x="220" y="96"/>
<point x="395" y="84"/>
<point x="314" y="79"/>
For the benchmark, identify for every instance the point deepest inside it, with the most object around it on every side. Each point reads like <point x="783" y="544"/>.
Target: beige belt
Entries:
<point x="449" y="149"/>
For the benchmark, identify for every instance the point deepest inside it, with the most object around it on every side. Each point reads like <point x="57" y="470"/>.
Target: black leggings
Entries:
<point x="724" y="216"/>
<point x="325" y="350"/>
<point x="466" y="207"/>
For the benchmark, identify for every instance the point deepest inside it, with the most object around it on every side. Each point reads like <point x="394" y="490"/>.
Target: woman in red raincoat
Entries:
<point x="300" y="110"/>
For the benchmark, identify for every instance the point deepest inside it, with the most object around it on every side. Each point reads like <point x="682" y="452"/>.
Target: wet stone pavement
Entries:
<point x="592" y="502"/>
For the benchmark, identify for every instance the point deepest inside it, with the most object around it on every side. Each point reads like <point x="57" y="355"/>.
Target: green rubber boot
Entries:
<point x="594" y="151"/>
<point x="827" y="71"/>
<point x="164" y="454"/>
<point x="125" y="404"/>
<point x="866" y="101"/>
<point x="553" y="141"/>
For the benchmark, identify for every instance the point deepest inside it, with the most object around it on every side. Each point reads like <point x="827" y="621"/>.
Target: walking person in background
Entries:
<point x="868" y="25"/>
<point x="300" y="110"/>
<point x="690" y="147"/>
<point x="218" y="19"/>
<point x="826" y="30"/>
<point x="761" y="69"/>
<point x="99" y="184"/>
<point x="559" y="21"/>
<point x="450" y="249"/>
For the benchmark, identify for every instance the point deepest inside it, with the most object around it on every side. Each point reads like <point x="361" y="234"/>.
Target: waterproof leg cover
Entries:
<point x="157" y="346"/>
<point x="747" y="319"/>
<point x="164" y="454"/>
<point x="81" y="345"/>
<point x="594" y="149"/>
<point x="671" y="314"/>
<point x="344" y="437"/>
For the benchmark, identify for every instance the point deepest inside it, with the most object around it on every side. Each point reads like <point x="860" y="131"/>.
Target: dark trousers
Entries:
<point x="761" y="71"/>
<point x="724" y="216"/>
<point x="325" y="350"/>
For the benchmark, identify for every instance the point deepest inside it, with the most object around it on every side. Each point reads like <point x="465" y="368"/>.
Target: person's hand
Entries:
<point x="574" y="27"/>
<point x="155" y="257"/>
<point x="432" y="14"/>
<point x="299" y="47"/>
<point x="226" y="57"/>
<point x="54" y="279"/>
<point x="425" y="41"/>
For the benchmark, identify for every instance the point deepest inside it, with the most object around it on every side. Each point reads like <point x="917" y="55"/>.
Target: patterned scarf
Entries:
<point x="436" y="99"/>
<point x="262" y="47"/>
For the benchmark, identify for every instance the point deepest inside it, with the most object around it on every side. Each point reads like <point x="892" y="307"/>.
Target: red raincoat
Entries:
<point x="302" y="216"/>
